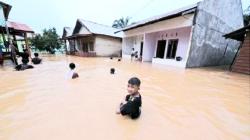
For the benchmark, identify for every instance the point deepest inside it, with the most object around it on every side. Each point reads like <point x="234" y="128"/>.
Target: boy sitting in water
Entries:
<point x="36" y="60"/>
<point x="72" y="74"/>
<point x="131" y="105"/>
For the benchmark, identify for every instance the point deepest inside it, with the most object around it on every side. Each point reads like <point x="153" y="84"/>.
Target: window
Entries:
<point x="172" y="48"/>
<point x="160" y="48"/>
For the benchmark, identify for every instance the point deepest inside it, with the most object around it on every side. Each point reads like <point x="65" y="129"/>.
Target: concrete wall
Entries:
<point x="107" y="46"/>
<point x="149" y="47"/>
<point x="214" y="19"/>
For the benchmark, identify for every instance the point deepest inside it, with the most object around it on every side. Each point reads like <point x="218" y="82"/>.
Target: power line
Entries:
<point x="141" y="9"/>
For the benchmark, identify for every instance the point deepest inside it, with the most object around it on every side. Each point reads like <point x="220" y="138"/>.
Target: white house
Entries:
<point x="188" y="37"/>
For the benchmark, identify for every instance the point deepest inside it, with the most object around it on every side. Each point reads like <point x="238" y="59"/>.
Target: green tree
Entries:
<point x="38" y="42"/>
<point x="48" y="41"/>
<point x="121" y="23"/>
<point x="247" y="16"/>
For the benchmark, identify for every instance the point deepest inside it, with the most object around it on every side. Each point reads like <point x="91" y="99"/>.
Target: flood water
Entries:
<point x="177" y="104"/>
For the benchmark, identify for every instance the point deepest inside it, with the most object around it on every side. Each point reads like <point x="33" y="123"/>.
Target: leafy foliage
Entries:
<point x="48" y="41"/>
<point x="121" y="23"/>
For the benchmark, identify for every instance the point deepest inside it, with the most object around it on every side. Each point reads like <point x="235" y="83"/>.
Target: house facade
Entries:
<point x="93" y="39"/>
<point x="188" y="37"/>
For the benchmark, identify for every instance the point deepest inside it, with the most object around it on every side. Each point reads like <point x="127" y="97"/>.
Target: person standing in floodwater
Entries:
<point x="72" y="74"/>
<point x="14" y="51"/>
<point x="132" y="104"/>
<point x="1" y="54"/>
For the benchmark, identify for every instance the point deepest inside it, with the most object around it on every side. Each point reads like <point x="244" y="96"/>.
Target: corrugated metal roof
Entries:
<point x="19" y="27"/>
<point x="238" y="34"/>
<point x="165" y="16"/>
<point x="100" y="29"/>
<point x="67" y="31"/>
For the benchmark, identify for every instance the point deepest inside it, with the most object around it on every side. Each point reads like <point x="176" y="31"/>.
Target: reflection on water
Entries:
<point x="177" y="104"/>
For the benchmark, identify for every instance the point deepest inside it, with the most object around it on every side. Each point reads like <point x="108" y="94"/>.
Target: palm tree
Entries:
<point x="121" y="23"/>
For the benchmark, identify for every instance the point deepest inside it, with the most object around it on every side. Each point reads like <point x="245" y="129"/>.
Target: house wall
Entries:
<point x="131" y="42"/>
<point x="149" y="47"/>
<point x="84" y="31"/>
<point x="107" y="46"/>
<point x="183" y="35"/>
<point x="178" y="22"/>
<point x="81" y="40"/>
<point x="214" y="19"/>
<point x="134" y="37"/>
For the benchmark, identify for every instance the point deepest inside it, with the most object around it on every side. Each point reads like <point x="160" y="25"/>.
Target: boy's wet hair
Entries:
<point x="36" y="54"/>
<point x="72" y="66"/>
<point x="134" y="81"/>
<point x="112" y="71"/>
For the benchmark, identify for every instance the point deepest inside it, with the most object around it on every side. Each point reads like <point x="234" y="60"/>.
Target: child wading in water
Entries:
<point x="72" y="74"/>
<point x="36" y="60"/>
<point x="131" y="105"/>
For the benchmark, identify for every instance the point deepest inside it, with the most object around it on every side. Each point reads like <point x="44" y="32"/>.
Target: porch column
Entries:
<point x="27" y="43"/>
<point x="149" y="47"/>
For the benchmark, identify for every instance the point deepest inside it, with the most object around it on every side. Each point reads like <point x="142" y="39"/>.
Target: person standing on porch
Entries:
<point x="132" y="53"/>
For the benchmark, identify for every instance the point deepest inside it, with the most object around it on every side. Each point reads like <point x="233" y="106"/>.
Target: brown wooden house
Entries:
<point x="241" y="62"/>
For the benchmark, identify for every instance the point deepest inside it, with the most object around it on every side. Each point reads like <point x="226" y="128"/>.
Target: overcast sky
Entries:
<point x="40" y="14"/>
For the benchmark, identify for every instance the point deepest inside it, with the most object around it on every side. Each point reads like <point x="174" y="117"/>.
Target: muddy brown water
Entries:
<point x="177" y="104"/>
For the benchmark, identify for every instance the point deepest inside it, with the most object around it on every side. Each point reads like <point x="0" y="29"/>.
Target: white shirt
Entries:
<point x="70" y="74"/>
